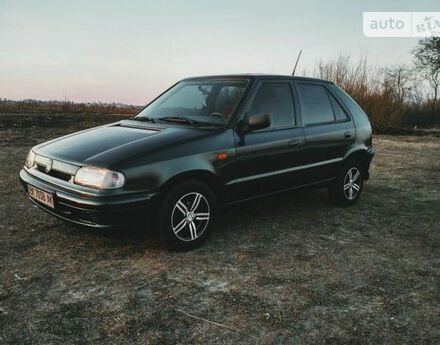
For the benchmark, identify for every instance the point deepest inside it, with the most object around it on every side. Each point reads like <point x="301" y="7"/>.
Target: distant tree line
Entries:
<point x="66" y="106"/>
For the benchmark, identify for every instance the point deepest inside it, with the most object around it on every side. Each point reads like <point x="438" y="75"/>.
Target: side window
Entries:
<point x="340" y="114"/>
<point x="316" y="104"/>
<point x="275" y="100"/>
<point x="352" y="106"/>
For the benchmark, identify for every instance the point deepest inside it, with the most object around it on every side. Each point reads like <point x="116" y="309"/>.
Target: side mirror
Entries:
<point x="254" y="123"/>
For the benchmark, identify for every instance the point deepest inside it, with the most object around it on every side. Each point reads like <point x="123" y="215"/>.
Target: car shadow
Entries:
<point x="242" y="217"/>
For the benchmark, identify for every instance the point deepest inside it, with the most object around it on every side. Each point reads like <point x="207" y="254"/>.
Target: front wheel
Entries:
<point x="187" y="214"/>
<point x="347" y="187"/>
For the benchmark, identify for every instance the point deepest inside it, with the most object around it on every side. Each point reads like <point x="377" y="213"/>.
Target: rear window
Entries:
<point x="316" y="104"/>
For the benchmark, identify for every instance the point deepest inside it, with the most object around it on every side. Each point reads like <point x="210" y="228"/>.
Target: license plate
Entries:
<point x="41" y="196"/>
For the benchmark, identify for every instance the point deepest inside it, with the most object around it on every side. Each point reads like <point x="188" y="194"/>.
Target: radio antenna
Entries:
<point x="296" y="63"/>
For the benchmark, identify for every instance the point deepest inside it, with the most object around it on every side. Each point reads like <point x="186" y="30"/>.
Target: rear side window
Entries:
<point x="316" y="104"/>
<point x="275" y="100"/>
<point x="352" y="106"/>
<point x="340" y="114"/>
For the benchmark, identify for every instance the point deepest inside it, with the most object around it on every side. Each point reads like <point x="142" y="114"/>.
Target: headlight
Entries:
<point x="30" y="159"/>
<point x="99" y="178"/>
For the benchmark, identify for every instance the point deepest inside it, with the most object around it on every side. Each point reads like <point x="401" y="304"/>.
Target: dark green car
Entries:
<point x="203" y="143"/>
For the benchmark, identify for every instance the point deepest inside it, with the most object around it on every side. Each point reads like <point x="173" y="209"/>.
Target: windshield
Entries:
<point x="205" y="102"/>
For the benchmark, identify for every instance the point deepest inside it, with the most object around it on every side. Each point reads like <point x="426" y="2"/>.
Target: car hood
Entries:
<point x="107" y="145"/>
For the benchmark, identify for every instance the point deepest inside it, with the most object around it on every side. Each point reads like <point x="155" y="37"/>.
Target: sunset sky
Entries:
<point x="128" y="51"/>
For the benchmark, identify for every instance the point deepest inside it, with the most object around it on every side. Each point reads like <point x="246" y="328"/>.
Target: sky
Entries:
<point x="129" y="51"/>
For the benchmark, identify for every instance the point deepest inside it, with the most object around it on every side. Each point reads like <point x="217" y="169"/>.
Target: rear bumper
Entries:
<point x="370" y="155"/>
<point x="97" y="212"/>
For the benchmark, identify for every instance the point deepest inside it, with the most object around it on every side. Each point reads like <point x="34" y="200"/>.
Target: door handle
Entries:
<point x="347" y="135"/>
<point x="294" y="142"/>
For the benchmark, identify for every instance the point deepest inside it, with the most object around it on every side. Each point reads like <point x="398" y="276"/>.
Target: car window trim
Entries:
<point x="295" y="124"/>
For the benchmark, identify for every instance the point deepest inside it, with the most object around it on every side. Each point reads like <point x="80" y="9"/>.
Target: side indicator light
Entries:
<point x="222" y="155"/>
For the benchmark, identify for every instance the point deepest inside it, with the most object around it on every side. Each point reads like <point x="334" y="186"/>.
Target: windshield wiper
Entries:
<point x="179" y="119"/>
<point x="143" y="118"/>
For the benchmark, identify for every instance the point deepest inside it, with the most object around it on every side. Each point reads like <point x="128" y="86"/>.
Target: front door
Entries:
<point x="268" y="160"/>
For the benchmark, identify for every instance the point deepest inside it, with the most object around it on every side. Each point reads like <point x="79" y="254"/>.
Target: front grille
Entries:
<point x="55" y="173"/>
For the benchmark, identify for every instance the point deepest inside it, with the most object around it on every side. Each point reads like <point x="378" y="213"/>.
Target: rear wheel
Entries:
<point x="187" y="214"/>
<point x="347" y="188"/>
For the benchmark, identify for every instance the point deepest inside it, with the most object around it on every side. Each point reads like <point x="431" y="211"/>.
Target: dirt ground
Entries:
<point x="281" y="270"/>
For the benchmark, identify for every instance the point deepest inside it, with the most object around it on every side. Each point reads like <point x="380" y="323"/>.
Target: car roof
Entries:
<point x="258" y="76"/>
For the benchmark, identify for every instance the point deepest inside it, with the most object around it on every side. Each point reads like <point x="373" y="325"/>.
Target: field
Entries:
<point x="281" y="270"/>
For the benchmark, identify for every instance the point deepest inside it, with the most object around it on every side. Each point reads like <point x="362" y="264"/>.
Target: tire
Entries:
<point x="187" y="214"/>
<point x="347" y="188"/>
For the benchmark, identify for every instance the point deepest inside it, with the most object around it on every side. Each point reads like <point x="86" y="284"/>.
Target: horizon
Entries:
<point x="114" y="52"/>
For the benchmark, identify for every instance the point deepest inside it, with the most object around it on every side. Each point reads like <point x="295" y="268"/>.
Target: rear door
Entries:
<point x="329" y="131"/>
<point x="267" y="158"/>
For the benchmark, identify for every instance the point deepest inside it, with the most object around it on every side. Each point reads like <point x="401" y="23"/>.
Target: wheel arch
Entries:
<point x="204" y="176"/>
<point x="364" y="157"/>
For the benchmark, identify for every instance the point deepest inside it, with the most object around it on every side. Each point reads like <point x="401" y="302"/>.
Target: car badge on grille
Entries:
<point x="49" y="165"/>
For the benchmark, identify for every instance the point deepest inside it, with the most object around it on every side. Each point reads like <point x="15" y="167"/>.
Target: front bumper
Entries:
<point x="98" y="211"/>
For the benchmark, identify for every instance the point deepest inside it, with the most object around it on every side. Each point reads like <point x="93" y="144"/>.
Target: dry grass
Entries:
<point x="282" y="270"/>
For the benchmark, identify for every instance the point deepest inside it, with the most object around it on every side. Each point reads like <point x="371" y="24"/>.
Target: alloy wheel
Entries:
<point x="190" y="216"/>
<point x="352" y="183"/>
